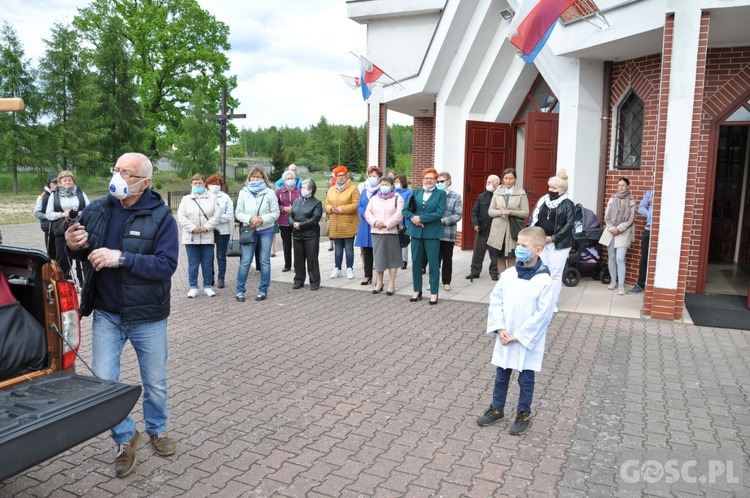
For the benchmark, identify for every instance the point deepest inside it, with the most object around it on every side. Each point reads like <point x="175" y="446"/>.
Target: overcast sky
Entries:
<point x="287" y="55"/>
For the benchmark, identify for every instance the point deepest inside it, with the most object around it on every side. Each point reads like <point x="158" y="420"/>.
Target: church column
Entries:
<point x="681" y="99"/>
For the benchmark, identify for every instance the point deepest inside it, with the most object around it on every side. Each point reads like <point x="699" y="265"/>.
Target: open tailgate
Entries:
<point x="44" y="417"/>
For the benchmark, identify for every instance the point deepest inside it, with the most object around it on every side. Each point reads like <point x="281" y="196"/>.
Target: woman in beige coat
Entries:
<point x="341" y="205"/>
<point x="618" y="234"/>
<point x="507" y="201"/>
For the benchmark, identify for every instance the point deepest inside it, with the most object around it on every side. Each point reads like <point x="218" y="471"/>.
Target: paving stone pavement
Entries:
<point x="343" y="393"/>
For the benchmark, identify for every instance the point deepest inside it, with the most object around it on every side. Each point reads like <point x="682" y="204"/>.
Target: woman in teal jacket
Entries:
<point x="425" y="210"/>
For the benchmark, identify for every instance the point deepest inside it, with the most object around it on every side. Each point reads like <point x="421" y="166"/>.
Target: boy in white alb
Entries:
<point x="520" y="311"/>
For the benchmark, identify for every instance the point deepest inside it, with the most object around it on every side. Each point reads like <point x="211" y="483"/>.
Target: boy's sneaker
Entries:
<point x="490" y="417"/>
<point x="522" y="423"/>
<point x="336" y="273"/>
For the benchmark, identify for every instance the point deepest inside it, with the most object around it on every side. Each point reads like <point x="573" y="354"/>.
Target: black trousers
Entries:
<point x="306" y="253"/>
<point x="367" y="253"/>
<point x="286" y="242"/>
<point x="477" y="259"/>
<point x="643" y="265"/>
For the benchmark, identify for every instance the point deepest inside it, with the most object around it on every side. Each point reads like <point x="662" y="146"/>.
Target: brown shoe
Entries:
<point x="127" y="456"/>
<point x="163" y="444"/>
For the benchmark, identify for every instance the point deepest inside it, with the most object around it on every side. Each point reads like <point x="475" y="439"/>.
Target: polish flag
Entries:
<point x="533" y="24"/>
<point x="369" y="74"/>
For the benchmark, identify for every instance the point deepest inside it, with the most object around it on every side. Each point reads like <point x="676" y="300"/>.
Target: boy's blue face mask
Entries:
<point x="523" y="254"/>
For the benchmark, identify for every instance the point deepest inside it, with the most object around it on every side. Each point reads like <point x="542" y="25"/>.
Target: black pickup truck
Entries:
<point x="45" y="407"/>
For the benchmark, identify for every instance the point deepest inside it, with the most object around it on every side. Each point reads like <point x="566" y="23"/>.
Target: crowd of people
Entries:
<point x="127" y="278"/>
<point x="369" y="216"/>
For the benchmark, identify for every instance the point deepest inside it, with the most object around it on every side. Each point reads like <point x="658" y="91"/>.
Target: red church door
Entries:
<point x="487" y="153"/>
<point x="540" y="159"/>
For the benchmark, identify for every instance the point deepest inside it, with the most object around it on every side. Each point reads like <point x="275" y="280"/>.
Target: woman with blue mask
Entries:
<point x="383" y="215"/>
<point x="286" y="195"/>
<point x="198" y="214"/>
<point x="363" y="240"/>
<point x="258" y="209"/>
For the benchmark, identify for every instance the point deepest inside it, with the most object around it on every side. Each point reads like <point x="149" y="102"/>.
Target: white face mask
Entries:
<point x="119" y="188"/>
<point x="214" y="189"/>
<point x="490" y="188"/>
<point x="397" y="186"/>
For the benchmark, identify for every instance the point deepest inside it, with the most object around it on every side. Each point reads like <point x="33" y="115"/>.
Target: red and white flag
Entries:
<point x="533" y="24"/>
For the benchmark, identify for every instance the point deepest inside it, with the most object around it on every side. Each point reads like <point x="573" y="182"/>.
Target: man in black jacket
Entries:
<point x="481" y="221"/>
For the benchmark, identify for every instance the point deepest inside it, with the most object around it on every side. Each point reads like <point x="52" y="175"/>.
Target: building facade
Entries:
<point x="657" y="91"/>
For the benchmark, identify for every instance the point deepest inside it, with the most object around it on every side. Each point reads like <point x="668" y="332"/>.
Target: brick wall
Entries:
<point x="423" y="149"/>
<point x="642" y="75"/>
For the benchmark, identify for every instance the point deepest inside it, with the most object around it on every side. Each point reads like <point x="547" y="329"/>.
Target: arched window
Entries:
<point x="629" y="132"/>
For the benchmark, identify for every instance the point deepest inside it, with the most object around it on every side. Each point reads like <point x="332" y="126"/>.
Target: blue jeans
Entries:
<point x="341" y="245"/>
<point x="525" y="382"/>
<point x="149" y="340"/>
<point x="248" y="251"/>
<point x="200" y="255"/>
<point x="221" y="255"/>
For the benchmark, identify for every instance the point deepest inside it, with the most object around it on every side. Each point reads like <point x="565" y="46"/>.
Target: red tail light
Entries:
<point x="71" y="322"/>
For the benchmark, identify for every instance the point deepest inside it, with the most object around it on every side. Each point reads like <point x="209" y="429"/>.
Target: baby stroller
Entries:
<point x="585" y="256"/>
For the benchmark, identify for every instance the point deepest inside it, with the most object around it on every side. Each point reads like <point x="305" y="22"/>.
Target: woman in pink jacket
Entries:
<point x="383" y="214"/>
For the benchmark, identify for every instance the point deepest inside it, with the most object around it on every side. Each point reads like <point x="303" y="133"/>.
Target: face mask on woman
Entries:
<point x="441" y="186"/>
<point x="553" y="195"/>
<point x="214" y="189"/>
<point x="199" y="190"/>
<point x="397" y="186"/>
<point x="372" y="180"/>
<point x="523" y="254"/>
<point x="305" y="193"/>
<point x="290" y="183"/>
<point x="430" y="189"/>
<point x="256" y="185"/>
<point x="385" y="189"/>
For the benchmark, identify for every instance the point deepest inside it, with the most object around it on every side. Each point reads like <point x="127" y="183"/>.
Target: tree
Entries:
<point x="321" y="145"/>
<point x="69" y="102"/>
<point x="196" y="142"/>
<point x="16" y="80"/>
<point x="118" y="108"/>
<point x="278" y="160"/>
<point x="390" y="151"/>
<point x="177" y="48"/>
<point x="354" y="155"/>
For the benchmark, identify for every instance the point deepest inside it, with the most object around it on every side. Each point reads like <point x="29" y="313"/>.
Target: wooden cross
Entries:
<point x="222" y="118"/>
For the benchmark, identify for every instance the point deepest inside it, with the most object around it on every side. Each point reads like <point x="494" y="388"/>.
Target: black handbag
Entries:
<point x="515" y="225"/>
<point x="233" y="248"/>
<point x="248" y="235"/>
<point x="403" y="239"/>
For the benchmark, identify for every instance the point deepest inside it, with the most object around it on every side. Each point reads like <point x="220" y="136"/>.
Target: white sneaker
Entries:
<point x="447" y="287"/>
<point x="336" y="273"/>
<point x="621" y="290"/>
<point x="349" y="273"/>
<point x="193" y="293"/>
<point x="612" y="285"/>
<point x="209" y="292"/>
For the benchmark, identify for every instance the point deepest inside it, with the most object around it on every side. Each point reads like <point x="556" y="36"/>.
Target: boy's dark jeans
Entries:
<point x="525" y="382"/>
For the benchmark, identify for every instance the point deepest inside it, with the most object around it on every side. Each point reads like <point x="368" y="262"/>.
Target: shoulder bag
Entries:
<point x="233" y="248"/>
<point x="248" y="234"/>
<point x="403" y="239"/>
